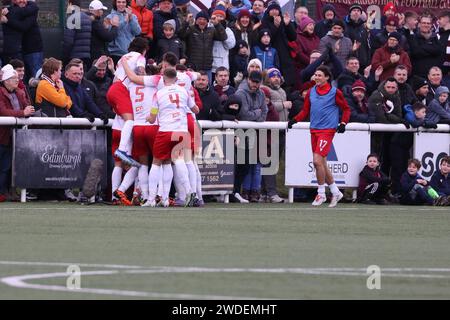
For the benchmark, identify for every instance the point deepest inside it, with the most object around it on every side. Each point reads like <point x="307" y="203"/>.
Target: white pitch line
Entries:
<point x="66" y="264"/>
<point x="20" y="282"/>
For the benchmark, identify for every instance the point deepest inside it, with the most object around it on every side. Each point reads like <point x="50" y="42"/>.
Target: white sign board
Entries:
<point x="346" y="159"/>
<point x="430" y="148"/>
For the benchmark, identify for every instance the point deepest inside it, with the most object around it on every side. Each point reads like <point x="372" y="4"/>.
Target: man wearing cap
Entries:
<point x="13" y="103"/>
<point x="357" y="101"/>
<point x="254" y="107"/>
<point x="390" y="56"/>
<point x="200" y="39"/>
<point x="101" y="36"/>
<point x="356" y="31"/>
<point x="425" y="49"/>
<point x="340" y="44"/>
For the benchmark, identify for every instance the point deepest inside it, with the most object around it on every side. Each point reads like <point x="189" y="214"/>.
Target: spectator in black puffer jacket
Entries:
<point x="77" y="41"/>
<point x="100" y="75"/>
<point x="170" y="43"/>
<point x="200" y="39"/>
<point x="324" y="26"/>
<point x="101" y="35"/>
<point x="166" y="11"/>
<point x="357" y="101"/>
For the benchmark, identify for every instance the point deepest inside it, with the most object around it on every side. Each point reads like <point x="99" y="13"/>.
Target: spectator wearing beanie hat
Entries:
<point x="222" y="48"/>
<point x="13" y="103"/>
<point x="324" y="26"/>
<point x="282" y="31"/>
<point x="306" y="42"/>
<point x="355" y="30"/>
<point x="357" y="101"/>
<point x="380" y="39"/>
<point x="239" y="61"/>
<point x="244" y="28"/>
<point x="345" y="47"/>
<point x="166" y="11"/>
<point x="264" y="52"/>
<point x="421" y="88"/>
<point x="278" y="97"/>
<point x="200" y="39"/>
<point x="390" y="56"/>
<point x="171" y="42"/>
<point x="238" y="5"/>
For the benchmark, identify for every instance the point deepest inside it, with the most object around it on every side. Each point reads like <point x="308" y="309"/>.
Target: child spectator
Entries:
<point x="264" y="52"/>
<point x="239" y="61"/>
<point x="439" y="109"/>
<point x="416" y="114"/>
<point x="373" y="183"/>
<point x="413" y="186"/>
<point x="440" y="181"/>
<point x="170" y="42"/>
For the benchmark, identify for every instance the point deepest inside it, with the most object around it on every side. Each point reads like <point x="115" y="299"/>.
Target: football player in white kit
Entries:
<point x="184" y="79"/>
<point x="169" y="107"/>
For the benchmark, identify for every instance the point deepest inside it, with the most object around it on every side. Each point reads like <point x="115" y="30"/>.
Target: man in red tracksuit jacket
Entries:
<point x="322" y="103"/>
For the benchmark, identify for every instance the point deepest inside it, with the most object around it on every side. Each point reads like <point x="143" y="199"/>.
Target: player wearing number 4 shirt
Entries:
<point x="119" y="99"/>
<point x="184" y="79"/>
<point x="169" y="107"/>
<point x="322" y="103"/>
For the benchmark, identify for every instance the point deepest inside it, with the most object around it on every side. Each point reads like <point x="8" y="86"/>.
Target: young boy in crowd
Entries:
<point x="440" y="181"/>
<point x="416" y="114"/>
<point x="373" y="184"/>
<point x="414" y="188"/>
<point x="264" y="52"/>
<point x="439" y="110"/>
<point x="239" y="62"/>
<point x="171" y="42"/>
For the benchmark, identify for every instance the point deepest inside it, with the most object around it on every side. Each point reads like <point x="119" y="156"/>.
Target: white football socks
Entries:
<point x="167" y="180"/>
<point x="153" y="180"/>
<point x="129" y="178"/>
<point x="116" y="179"/>
<point x="126" y="135"/>
<point x="143" y="181"/>
<point x="192" y="175"/>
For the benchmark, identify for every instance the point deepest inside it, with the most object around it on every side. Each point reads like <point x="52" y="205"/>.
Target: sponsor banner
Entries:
<point x="342" y="7"/>
<point x="51" y="158"/>
<point x="430" y="148"/>
<point x="346" y="159"/>
<point x="199" y="5"/>
<point x="216" y="161"/>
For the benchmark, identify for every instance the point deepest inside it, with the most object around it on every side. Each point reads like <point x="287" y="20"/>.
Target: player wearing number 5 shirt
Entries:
<point x="322" y="103"/>
<point x="169" y="108"/>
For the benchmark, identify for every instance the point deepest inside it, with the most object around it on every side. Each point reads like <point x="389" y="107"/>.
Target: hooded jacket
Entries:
<point x="356" y="31"/>
<point x="437" y="112"/>
<point x="379" y="110"/>
<point x="324" y="26"/>
<point x="254" y="106"/>
<point x="225" y="113"/>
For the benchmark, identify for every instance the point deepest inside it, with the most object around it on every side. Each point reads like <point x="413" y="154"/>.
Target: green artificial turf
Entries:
<point x="219" y="237"/>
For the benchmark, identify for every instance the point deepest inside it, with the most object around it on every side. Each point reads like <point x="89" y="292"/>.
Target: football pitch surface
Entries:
<point x="263" y="251"/>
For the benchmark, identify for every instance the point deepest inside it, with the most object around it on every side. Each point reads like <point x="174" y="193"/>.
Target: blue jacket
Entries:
<point x="411" y="117"/>
<point x="77" y="41"/>
<point x="125" y="33"/>
<point x="268" y="57"/>
<point x="407" y="182"/>
<point x="82" y="103"/>
<point x="246" y="4"/>
<point x="437" y="113"/>
<point x="440" y="183"/>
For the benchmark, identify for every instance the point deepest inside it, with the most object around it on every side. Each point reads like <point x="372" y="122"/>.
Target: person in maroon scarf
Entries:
<point x="306" y="42"/>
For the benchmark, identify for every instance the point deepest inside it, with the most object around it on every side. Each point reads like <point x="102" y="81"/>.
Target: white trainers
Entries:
<point x="149" y="203"/>
<point x="335" y="199"/>
<point x="239" y="197"/>
<point x="319" y="200"/>
<point x="166" y="203"/>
